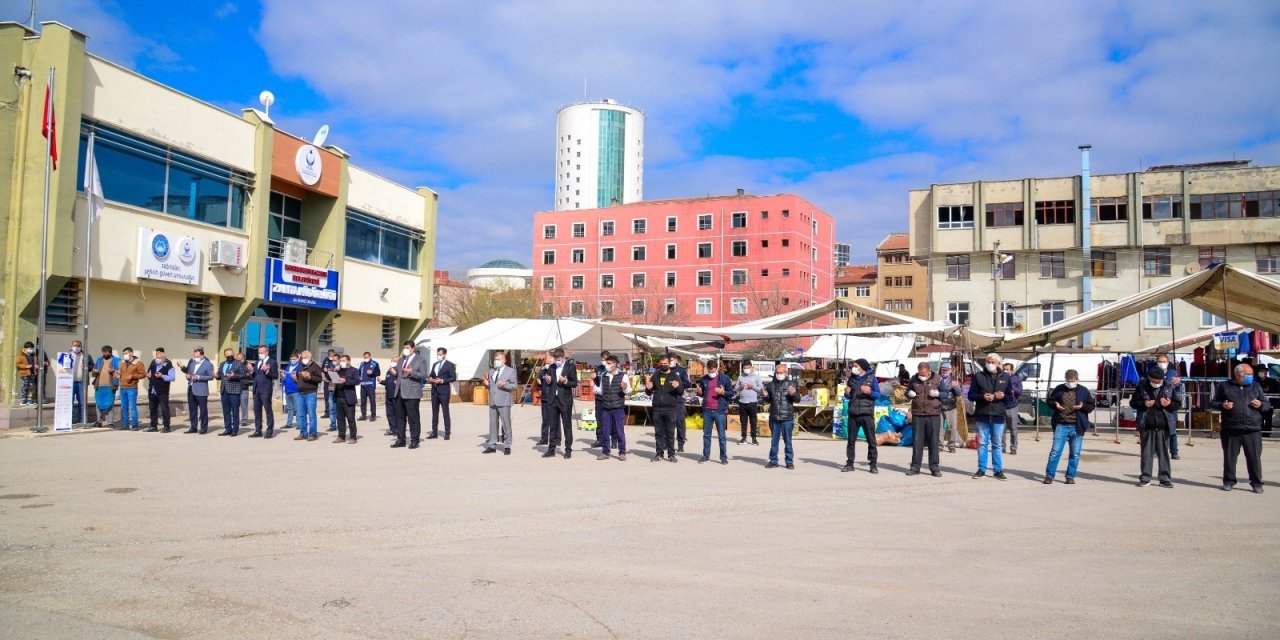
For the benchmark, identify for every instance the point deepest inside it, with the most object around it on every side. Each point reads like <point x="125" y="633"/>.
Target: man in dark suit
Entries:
<point x="395" y="416"/>
<point x="264" y="376"/>
<point x="411" y="373"/>
<point x="546" y="378"/>
<point x="683" y="374"/>
<point x="443" y="374"/>
<point x="562" y="378"/>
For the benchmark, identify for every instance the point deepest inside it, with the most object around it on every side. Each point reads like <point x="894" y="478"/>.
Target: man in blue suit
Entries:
<point x="264" y="375"/>
<point x="442" y="376"/>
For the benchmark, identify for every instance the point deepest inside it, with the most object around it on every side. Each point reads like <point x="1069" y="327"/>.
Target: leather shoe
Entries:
<point x="875" y="469"/>
<point x="256" y="434"/>
<point x="413" y="445"/>
<point x="846" y="469"/>
<point x="397" y="444"/>
<point x="936" y="474"/>
<point x="542" y="443"/>
<point x="791" y="466"/>
<point x="446" y="436"/>
<point x="567" y="454"/>
<point x="507" y="451"/>
<point x="551" y="453"/>
<point x="191" y="430"/>
<point x="771" y="465"/>
<point x="433" y="436"/>
<point x="225" y="433"/>
<point x="1257" y="489"/>
<point x="913" y="472"/>
<point x="489" y="450"/>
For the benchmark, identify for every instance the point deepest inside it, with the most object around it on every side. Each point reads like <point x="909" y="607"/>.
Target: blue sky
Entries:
<point x="848" y="104"/>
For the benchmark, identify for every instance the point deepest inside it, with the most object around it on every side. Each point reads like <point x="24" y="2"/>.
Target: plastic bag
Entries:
<point x="908" y="436"/>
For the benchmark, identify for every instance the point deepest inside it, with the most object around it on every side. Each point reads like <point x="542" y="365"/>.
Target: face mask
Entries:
<point x="559" y="362"/>
<point x="75" y="349"/>
<point x="293" y="361"/>
<point x="1157" y="385"/>
<point x="1071" y="385"/>
<point x="497" y="364"/>
<point x="345" y="364"/>
<point x="604" y="364"/>
<point x="991" y="368"/>
<point x="712" y="373"/>
<point x="306" y="361"/>
<point x="781" y="376"/>
<point x="30" y="351"/>
<point x="1248" y="380"/>
<point x="857" y="372"/>
<point x="439" y="356"/>
<point x="922" y="377"/>
<point x="127" y="357"/>
<point x="368" y="360"/>
<point x="664" y="368"/>
<point x="406" y="352"/>
<point x="746" y="372"/>
<point x="1162" y="365"/>
<point x="262" y="356"/>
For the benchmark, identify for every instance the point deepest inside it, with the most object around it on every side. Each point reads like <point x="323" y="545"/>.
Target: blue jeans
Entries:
<point x="291" y="409"/>
<point x="716" y="419"/>
<point x="308" y="421"/>
<point x="990" y="436"/>
<point x="781" y="428"/>
<point x="331" y="404"/>
<point x="1064" y="435"/>
<point x="1173" y="438"/>
<point x="129" y="407"/>
<point x="77" y="401"/>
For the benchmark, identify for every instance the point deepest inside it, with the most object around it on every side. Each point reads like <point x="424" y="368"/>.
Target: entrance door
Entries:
<point x="261" y="332"/>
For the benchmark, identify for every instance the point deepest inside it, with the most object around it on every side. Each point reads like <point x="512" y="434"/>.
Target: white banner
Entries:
<point x="168" y="257"/>
<point x="62" y="393"/>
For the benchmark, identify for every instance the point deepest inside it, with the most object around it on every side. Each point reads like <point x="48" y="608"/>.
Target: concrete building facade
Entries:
<point x="904" y="282"/>
<point x="218" y="229"/>
<point x="1146" y="229"/>
<point x="855" y="283"/>
<point x="599" y="155"/>
<point x="709" y="261"/>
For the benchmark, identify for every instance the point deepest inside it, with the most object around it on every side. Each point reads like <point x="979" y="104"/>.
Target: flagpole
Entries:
<point x="42" y="350"/>
<point x="90" y="170"/>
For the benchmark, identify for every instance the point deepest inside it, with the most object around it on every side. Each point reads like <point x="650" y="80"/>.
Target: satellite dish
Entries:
<point x="1005" y="258"/>
<point x="321" y="136"/>
<point x="267" y="99"/>
<point x="1193" y="267"/>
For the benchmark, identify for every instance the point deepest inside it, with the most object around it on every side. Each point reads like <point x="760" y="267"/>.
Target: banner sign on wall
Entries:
<point x="168" y="257"/>
<point x="62" y="392"/>
<point x="300" y="285"/>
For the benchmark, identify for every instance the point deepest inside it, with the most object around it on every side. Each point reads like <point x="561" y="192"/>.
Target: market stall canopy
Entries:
<point x="469" y="349"/>
<point x="954" y="334"/>
<point x="1239" y="296"/>
<point x="430" y="337"/>
<point x="888" y="348"/>
<point x="696" y="335"/>
<point x="1187" y="341"/>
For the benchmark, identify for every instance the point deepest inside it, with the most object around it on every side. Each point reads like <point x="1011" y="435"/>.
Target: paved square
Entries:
<point x="148" y="535"/>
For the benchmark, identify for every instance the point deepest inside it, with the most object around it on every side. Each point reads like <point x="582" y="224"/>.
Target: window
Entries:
<point x="546" y="310"/>
<point x="704" y="221"/>
<point x="671" y="252"/>
<point x="1208" y="320"/>
<point x="578" y="256"/>
<point x="1051" y="312"/>
<point x="382" y="242"/>
<point x="606" y="254"/>
<point x="842" y="314"/>
<point x="1056" y="212"/>
<point x="764" y="244"/>
<point x="637" y="280"/>
<point x="638" y="253"/>
<point x="671" y="279"/>
<point x="606" y="281"/>
<point x="579" y="230"/>
<point x="1212" y="255"/>
<point x="1007" y="270"/>
<point x="1004" y="214"/>
<point x="151" y="175"/>
<point x="786" y="273"/>
<point x="1156" y="261"/>
<point x="284" y="221"/>
<point x="606" y="308"/>
<point x="326" y="336"/>
<point x="1110" y="209"/>
<point x="786" y="213"/>
<point x="958" y="267"/>
<point x="739" y="220"/>
<point x="199" y="317"/>
<point x="1103" y="264"/>
<point x="639" y="225"/>
<point x="1268" y="258"/>
<point x="1161" y="207"/>
<point x="862" y="291"/>
<point x="637" y="307"/>
<point x="738" y="277"/>
<point x="669" y="307"/>
<point x="704" y="249"/>
<point x="577" y="309"/>
<point x="1006" y="315"/>
<point x="955" y="217"/>
<point x="671" y="224"/>
<point x="1160" y="316"/>
<point x="1053" y="264"/>
<point x="739" y="249"/>
<point x="786" y="302"/>
<point x="576" y="282"/>
<point x="842" y="292"/>
<point x="389" y="333"/>
<point x="1219" y="206"/>
<point x="738" y="306"/>
<point x="786" y="242"/>
<point x="764" y="215"/>
<point x="704" y="278"/>
<point x="764" y="273"/>
<point x="606" y="228"/>
<point x="958" y="312"/>
<point x="549" y="256"/>
<point x="703" y="307"/>
<point x="548" y="283"/>
<point x="548" y="232"/>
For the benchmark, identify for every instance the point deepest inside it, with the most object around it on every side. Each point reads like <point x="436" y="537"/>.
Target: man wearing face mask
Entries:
<point x="862" y="393"/>
<point x="1072" y="405"/>
<point x="1174" y="381"/>
<point x="748" y="387"/>
<point x="782" y="394"/>
<point x="443" y="375"/>
<point x="308" y="378"/>
<point x="1240" y="400"/>
<point x="546" y="379"/>
<point x="1010" y="443"/>
<point x="265" y="374"/>
<point x="289" y="383"/>
<point x="716" y="390"/>
<point x="667" y="391"/>
<point x="106" y="377"/>
<point x="564" y="382"/>
<point x="344" y="391"/>
<point x="949" y="394"/>
<point x="1156" y="406"/>
<point x="681" y="426"/>
<point x="926" y="418"/>
<point x="599" y="370"/>
<point x="501" y="381"/>
<point x="412" y="372"/>
<point x="160" y="374"/>
<point x="28" y="371"/>
<point x="234" y="375"/>
<point x="369" y="374"/>
<point x="611" y="388"/>
<point x="131" y="372"/>
<point x="989" y="388"/>
<point x="391" y="400"/>
<point x="79" y="370"/>
<point x="199" y="372"/>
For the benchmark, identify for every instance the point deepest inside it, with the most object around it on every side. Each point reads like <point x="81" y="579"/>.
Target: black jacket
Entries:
<point x="1241" y="416"/>
<point x="556" y="392"/>
<point x="1068" y="398"/>
<point x="780" y="401"/>
<point x="664" y="395"/>
<point x="346" y="391"/>
<point x="1144" y="392"/>
<point x="863" y="404"/>
<point x="984" y="383"/>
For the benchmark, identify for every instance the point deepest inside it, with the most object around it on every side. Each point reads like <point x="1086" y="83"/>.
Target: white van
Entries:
<point x="1035" y="372"/>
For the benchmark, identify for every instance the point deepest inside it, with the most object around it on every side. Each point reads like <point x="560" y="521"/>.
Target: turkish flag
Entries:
<point x="49" y="129"/>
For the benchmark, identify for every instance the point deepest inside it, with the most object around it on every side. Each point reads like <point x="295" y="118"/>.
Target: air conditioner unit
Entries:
<point x="295" y="250"/>
<point x="224" y="253"/>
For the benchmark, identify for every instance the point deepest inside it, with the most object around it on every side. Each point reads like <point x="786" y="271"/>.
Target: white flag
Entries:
<point x="92" y="183"/>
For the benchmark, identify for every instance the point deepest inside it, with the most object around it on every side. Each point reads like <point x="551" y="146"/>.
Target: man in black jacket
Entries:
<point x="546" y="386"/>
<point x="264" y="376"/>
<point x="862" y="393"/>
<point x="562" y="376"/>
<point x="1157" y="405"/>
<point x="782" y="394"/>
<point x="681" y="430"/>
<point x="667" y="390"/>
<point x="1270" y="387"/>
<point x="988" y="390"/>
<point x="443" y="375"/>
<point x="1240" y="400"/>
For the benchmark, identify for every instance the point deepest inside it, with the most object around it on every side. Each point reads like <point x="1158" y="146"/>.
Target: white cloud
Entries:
<point x="226" y="11"/>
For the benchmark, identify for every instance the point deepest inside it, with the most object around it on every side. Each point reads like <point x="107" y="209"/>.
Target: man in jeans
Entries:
<point x="290" y="390"/>
<point x="782" y="394"/>
<point x="131" y="372"/>
<point x="989" y="388"/>
<point x="748" y="389"/>
<point x="1010" y="444"/>
<point x="1072" y="405"/>
<point x="716" y="390"/>
<point x="308" y="378"/>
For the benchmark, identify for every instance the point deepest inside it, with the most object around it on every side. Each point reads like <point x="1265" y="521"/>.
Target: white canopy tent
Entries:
<point x="1187" y="341"/>
<point x="430" y="337"/>
<point x="886" y="349"/>
<point x="469" y="349"/>
<point x="1239" y="296"/>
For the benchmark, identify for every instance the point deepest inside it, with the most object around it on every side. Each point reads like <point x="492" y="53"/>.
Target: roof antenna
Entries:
<point x="31" y="17"/>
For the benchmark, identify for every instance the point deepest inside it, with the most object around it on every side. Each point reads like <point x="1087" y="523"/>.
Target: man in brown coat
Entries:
<point x="926" y="418"/>
<point x="131" y="371"/>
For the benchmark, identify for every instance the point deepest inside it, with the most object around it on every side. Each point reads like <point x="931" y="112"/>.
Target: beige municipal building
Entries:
<point x="219" y="230"/>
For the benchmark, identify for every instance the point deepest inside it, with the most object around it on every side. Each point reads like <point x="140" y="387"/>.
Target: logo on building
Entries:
<point x="308" y="164"/>
<point x="187" y="251"/>
<point x="160" y="246"/>
<point x="168" y="258"/>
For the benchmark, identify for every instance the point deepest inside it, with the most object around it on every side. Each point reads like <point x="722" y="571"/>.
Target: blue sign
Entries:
<point x="300" y="285"/>
<point x="160" y="246"/>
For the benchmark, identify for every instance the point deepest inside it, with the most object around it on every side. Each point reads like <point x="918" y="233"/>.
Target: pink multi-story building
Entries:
<point x="711" y="261"/>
